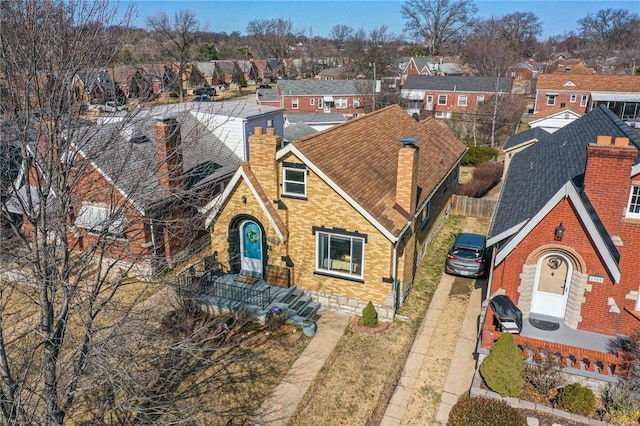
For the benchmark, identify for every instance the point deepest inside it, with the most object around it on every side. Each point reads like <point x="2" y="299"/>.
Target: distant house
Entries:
<point x="583" y="93"/>
<point x="342" y="72"/>
<point x="348" y="212"/>
<point x="346" y="97"/>
<point x="441" y="97"/>
<point x="93" y="88"/>
<point x="566" y="233"/>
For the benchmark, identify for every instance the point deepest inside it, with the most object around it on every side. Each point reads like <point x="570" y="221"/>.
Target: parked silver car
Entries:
<point x="467" y="256"/>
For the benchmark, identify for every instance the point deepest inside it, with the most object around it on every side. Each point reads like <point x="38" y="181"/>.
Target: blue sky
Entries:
<point x="317" y="17"/>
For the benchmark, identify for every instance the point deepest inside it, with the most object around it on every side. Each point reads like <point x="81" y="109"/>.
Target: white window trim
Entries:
<point x="327" y="271"/>
<point x="294" y="103"/>
<point x="480" y="100"/>
<point x="574" y="98"/>
<point x="339" y="105"/>
<point x="631" y="194"/>
<point x="551" y="100"/>
<point x="446" y="99"/>
<point x="284" y="182"/>
<point x="356" y="103"/>
<point x="583" y="100"/>
<point x="466" y="100"/>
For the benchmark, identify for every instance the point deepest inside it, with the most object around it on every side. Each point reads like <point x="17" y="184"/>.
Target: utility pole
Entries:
<point x="374" y="86"/>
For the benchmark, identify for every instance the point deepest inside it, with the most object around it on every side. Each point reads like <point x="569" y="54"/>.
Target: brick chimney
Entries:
<point x="262" y="158"/>
<point x="169" y="153"/>
<point x="407" y="176"/>
<point x="607" y="179"/>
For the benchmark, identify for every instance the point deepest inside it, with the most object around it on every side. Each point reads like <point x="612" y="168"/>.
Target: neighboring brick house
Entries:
<point x="94" y="88"/>
<point x="583" y="93"/>
<point x="140" y="179"/>
<point x="348" y="211"/>
<point x="306" y="96"/>
<point x="567" y="236"/>
<point x="443" y="96"/>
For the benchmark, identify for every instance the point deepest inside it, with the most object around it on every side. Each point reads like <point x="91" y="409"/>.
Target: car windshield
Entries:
<point x="467" y="253"/>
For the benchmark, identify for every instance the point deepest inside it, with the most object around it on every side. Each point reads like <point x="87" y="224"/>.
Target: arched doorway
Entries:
<point x="251" y="256"/>
<point x="553" y="278"/>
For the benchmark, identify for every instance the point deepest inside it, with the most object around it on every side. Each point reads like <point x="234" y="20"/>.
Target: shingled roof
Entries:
<point x="319" y="87"/>
<point x="601" y="83"/>
<point x="125" y="154"/>
<point x="538" y="172"/>
<point x="361" y="157"/>
<point x="458" y="83"/>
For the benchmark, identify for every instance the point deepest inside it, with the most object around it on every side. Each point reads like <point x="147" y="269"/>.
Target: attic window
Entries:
<point x="294" y="180"/>
<point x="569" y="83"/>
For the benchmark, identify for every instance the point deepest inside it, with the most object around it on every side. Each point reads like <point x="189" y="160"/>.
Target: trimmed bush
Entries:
<point x="369" y="316"/>
<point x="577" y="399"/>
<point x="478" y="154"/>
<point x="485" y="176"/>
<point x="483" y="412"/>
<point x="503" y="369"/>
<point x="622" y="401"/>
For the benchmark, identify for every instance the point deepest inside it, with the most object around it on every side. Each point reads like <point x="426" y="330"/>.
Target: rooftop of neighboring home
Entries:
<point x="237" y="109"/>
<point x="320" y="87"/>
<point x="599" y="83"/>
<point x="523" y="137"/>
<point x="458" y="84"/>
<point x="297" y="131"/>
<point x="361" y="157"/>
<point x="267" y="95"/>
<point x="316" y="117"/>
<point x="538" y="172"/>
<point x="126" y="154"/>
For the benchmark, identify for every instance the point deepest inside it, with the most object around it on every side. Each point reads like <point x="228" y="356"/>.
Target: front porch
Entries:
<point x="220" y="292"/>
<point x="578" y="352"/>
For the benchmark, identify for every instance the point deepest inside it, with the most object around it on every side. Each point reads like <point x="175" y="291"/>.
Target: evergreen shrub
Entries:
<point x="503" y="369"/>
<point x="577" y="399"/>
<point x="369" y="316"/>
<point x="483" y="412"/>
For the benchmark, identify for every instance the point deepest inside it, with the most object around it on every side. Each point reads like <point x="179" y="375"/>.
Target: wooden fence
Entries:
<point x="461" y="205"/>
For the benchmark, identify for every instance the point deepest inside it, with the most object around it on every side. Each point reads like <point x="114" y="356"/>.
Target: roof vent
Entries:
<point x="133" y="133"/>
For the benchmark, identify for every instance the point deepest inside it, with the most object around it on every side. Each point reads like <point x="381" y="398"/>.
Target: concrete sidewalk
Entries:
<point x="282" y="403"/>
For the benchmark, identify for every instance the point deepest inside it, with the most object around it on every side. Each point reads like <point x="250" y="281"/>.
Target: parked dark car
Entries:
<point x="207" y="90"/>
<point x="203" y="98"/>
<point x="264" y="86"/>
<point x="467" y="256"/>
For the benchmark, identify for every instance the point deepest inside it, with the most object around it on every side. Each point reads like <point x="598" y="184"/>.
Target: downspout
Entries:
<point x="394" y="271"/>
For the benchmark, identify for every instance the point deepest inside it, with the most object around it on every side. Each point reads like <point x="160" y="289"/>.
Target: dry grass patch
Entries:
<point x="358" y="380"/>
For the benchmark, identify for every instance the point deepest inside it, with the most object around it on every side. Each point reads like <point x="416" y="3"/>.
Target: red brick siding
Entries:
<point x="564" y="97"/>
<point x="304" y="104"/>
<point x="452" y="101"/>
<point x="595" y="312"/>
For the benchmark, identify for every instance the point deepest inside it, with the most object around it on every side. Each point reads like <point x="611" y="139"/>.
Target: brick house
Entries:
<point x="350" y="223"/>
<point x="567" y="233"/>
<point x="306" y="96"/>
<point x="443" y="96"/>
<point x="583" y="93"/>
<point x="140" y="179"/>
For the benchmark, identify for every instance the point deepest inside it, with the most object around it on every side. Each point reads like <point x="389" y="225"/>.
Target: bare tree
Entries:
<point x="439" y="24"/>
<point x="77" y="345"/>
<point x="487" y="49"/>
<point x="520" y="30"/>
<point x="610" y="29"/>
<point x="271" y="37"/>
<point x="178" y="37"/>
<point x="338" y="35"/>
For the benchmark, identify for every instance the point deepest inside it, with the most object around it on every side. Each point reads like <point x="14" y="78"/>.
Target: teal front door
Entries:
<point x="251" y="249"/>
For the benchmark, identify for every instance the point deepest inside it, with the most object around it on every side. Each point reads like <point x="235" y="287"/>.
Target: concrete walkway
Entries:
<point x="282" y="403"/>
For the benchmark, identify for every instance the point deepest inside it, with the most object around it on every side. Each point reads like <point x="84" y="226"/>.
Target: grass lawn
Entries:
<point x="358" y="380"/>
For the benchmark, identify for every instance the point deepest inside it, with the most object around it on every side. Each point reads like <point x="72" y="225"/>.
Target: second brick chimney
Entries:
<point x="407" y="176"/>
<point x="262" y="158"/>
<point x="169" y="153"/>
<point x="607" y="179"/>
